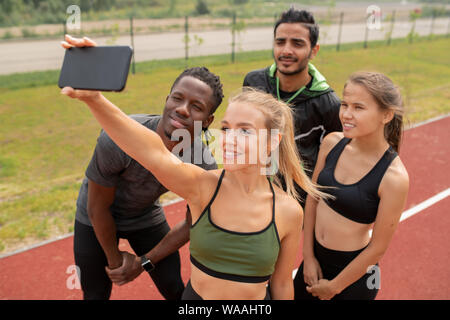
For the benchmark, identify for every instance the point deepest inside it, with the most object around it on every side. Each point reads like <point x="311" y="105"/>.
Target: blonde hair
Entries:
<point x="278" y="116"/>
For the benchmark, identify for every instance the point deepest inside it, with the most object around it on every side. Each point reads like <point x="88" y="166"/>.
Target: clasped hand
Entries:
<point x="129" y="270"/>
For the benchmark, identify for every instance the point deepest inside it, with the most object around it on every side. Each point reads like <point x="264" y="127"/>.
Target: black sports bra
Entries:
<point x="357" y="201"/>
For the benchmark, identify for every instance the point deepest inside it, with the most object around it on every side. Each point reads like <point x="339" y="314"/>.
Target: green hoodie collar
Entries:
<point x="319" y="83"/>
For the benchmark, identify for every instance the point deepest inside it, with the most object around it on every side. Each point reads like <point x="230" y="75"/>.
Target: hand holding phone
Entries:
<point x="88" y="67"/>
<point x="71" y="42"/>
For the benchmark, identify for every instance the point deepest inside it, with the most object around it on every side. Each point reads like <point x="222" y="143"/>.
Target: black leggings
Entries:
<point x="190" y="294"/>
<point x="332" y="262"/>
<point x="91" y="260"/>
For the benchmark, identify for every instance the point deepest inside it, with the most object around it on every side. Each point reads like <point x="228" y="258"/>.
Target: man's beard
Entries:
<point x="300" y="69"/>
<point x="303" y="65"/>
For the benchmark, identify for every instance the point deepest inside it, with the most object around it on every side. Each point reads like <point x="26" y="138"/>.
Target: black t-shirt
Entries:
<point x="136" y="204"/>
<point x="285" y="96"/>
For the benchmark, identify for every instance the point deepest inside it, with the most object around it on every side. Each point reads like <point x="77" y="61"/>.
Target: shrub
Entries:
<point x="201" y="7"/>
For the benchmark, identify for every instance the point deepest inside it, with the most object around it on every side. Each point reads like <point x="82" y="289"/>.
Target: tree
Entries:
<point x="240" y="1"/>
<point x="10" y="6"/>
<point x="172" y="6"/>
<point x="201" y="7"/>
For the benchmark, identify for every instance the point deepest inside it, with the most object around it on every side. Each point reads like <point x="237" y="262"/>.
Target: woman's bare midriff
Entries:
<point x="334" y="231"/>
<point x="211" y="288"/>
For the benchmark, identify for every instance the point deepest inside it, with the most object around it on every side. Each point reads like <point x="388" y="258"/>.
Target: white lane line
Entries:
<point x="64" y="236"/>
<point x="414" y="210"/>
<point x="425" y="204"/>
<point x="419" y="124"/>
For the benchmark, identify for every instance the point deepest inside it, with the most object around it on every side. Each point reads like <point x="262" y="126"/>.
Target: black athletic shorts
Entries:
<point x="332" y="262"/>
<point x="91" y="261"/>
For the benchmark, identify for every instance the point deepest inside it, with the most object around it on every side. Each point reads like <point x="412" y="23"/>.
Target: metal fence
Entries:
<point x="231" y="36"/>
<point x="336" y="30"/>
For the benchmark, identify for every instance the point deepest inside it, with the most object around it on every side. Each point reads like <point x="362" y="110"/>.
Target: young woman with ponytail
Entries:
<point x="368" y="182"/>
<point x="245" y="229"/>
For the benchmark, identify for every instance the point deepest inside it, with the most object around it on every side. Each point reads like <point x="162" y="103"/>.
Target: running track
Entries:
<point x="414" y="267"/>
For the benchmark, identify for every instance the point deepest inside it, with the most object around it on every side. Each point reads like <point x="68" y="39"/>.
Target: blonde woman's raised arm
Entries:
<point x="142" y="144"/>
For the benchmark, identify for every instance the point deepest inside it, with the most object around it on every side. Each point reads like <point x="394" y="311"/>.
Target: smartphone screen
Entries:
<point x="96" y="68"/>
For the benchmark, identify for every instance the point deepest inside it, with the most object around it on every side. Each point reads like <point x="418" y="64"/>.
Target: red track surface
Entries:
<point x="414" y="267"/>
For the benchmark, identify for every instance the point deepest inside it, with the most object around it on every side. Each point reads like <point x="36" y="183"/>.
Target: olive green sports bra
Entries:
<point x="237" y="256"/>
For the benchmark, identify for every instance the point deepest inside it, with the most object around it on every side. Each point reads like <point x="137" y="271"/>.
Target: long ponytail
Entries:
<point x="290" y="166"/>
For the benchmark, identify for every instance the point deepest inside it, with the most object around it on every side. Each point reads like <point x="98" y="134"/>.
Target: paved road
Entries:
<point x="47" y="54"/>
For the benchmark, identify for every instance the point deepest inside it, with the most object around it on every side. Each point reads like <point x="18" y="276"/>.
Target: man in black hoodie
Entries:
<point x="293" y="79"/>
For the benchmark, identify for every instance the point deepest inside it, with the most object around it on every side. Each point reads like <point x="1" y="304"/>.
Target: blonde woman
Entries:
<point x="245" y="230"/>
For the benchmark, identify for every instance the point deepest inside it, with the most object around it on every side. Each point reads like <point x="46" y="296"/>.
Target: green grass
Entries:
<point x="46" y="139"/>
<point x="42" y="78"/>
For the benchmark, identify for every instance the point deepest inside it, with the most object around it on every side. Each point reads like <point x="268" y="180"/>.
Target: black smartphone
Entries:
<point x="96" y="68"/>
